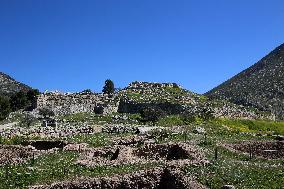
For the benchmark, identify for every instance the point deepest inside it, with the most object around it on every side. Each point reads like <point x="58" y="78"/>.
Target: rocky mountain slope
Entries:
<point x="9" y="85"/>
<point x="260" y="86"/>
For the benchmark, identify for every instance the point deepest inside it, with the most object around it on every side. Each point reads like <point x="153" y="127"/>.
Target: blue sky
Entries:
<point x="73" y="45"/>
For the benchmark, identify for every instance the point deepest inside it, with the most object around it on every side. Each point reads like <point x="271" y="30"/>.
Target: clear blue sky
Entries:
<point x="72" y="45"/>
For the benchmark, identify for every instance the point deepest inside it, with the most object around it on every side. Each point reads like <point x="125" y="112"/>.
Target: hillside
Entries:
<point x="260" y="86"/>
<point x="8" y="85"/>
<point x="173" y="99"/>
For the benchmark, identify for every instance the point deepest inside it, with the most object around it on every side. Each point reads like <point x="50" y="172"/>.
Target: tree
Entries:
<point x="109" y="87"/>
<point x="175" y="85"/>
<point x="32" y="98"/>
<point x="19" y="101"/>
<point x="32" y="94"/>
<point x="5" y="108"/>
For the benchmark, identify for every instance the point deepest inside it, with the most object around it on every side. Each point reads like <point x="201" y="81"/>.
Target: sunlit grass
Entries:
<point x="56" y="167"/>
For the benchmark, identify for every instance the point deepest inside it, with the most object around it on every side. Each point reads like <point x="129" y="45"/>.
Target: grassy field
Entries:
<point x="238" y="170"/>
<point x="259" y="126"/>
<point x="56" y="167"/>
<point x="229" y="167"/>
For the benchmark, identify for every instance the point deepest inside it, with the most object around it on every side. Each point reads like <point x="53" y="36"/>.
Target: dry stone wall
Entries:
<point x="145" y="85"/>
<point x="63" y="104"/>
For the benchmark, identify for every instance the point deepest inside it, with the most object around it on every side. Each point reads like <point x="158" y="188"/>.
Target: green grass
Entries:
<point x="94" y="140"/>
<point x="134" y="96"/>
<point x="230" y="168"/>
<point x="238" y="170"/>
<point x="56" y="167"/>
<point x="171" y="120"/>
<point x="16" y="117"/>
<point x="240" y="175"/>
<point x="259" y="126"/>
<point x="97" y="139"/>
<point x="16" y="140"/>
<point x="166" y="94"/>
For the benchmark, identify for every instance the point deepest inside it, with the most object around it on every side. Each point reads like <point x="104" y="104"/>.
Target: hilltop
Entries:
<point x="260" y="86"/>
<point x="174" y="99"/>
<point x="9" y="86"/>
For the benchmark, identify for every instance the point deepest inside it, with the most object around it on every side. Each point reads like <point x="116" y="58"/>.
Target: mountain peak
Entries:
<point x="8" y="85"/>
<point x="260" y="86"/>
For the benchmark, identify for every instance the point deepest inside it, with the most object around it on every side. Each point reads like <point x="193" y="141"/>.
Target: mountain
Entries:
<point x="9" y="85"/>
<point x="260" y="86"/>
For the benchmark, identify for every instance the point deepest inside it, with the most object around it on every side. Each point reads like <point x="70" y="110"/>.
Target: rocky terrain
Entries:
<point x="93" y="140"/>
<point x="260" y="86"/>
<point x="76" y="154"/>
<point x="9" y="85"/>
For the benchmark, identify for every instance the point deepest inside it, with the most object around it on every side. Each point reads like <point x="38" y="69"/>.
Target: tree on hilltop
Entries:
<point x="109" y="87"/>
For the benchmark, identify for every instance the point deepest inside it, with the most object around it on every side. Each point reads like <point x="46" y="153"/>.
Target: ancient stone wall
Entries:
<point x="63" y="104"/>
<point x="145" y="85"/>
<point x="126" y="106"/>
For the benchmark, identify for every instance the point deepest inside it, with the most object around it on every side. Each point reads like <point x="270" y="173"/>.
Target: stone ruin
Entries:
<point x="155" y="178"/>
<point x="70" y="103"/>
<point x="178" y="154"/>
<point x="168" y="175"/>
<point x="264" y="149"/>
<point x="145" y="85"/>
<point x="14" y="154"/>
<point x="151" y="94"/>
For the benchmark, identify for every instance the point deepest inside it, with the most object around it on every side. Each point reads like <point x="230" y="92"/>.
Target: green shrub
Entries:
<point x="5" y="108"/>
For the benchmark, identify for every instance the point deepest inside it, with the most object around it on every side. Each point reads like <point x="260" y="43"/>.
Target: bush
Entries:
<point x="5" y="108"/>
<point x="19" y="101"/>
<point x="175" y="85"/>
<point x="27" y="120"/>
<point x="32" y="98"/>
<point x="207" y="114"/>
<point x="188" y="118"/>
<point x="24" y="100"/>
